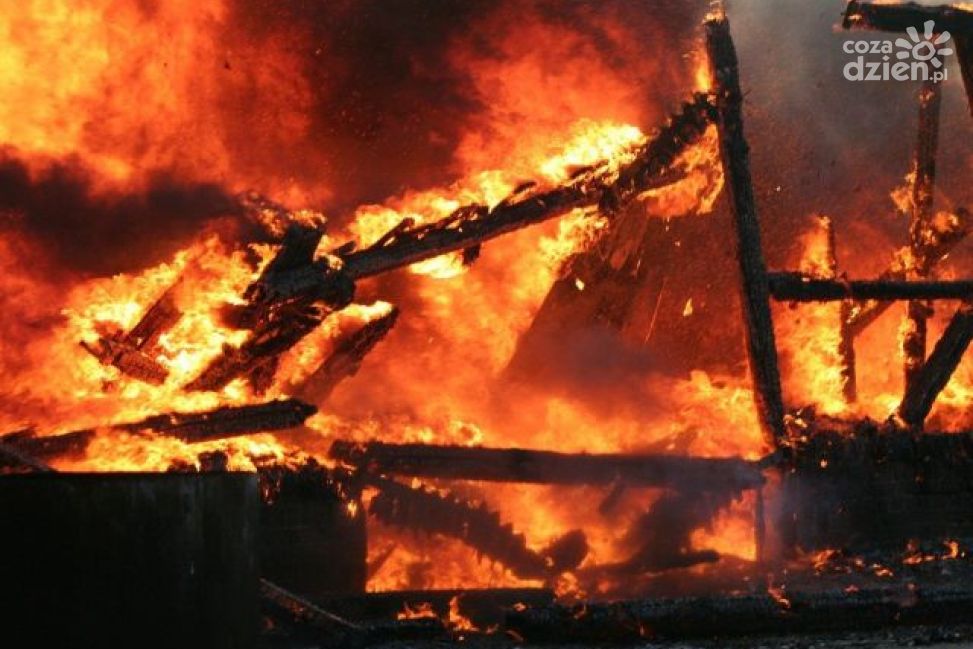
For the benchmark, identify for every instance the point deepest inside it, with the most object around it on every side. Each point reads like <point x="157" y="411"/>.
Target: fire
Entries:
<point x="126" y="92"/>
<point x="810" y="333"/>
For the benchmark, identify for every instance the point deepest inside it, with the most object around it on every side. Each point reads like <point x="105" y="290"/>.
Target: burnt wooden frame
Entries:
<point x="925" y="376"/>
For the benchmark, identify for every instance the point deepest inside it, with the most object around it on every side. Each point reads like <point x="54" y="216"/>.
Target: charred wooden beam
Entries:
<point x="797" y="287"/>
<point x="346" y="358"/>
<point x="219" y="423"/>
<point x="939" y="238"/>
<point x="290" y="298"/>
<point x="259" y="353"/>
<point x="900" y="17"/>
<point x="933" y="375"/>
<point x="549" y="467"/>
<point x="473" y="224"/>
<point x="755" y="299"/>
<point x="296" y="291"/>
<point x="303" y="610"/>
<point x="292" y="278"/>
<point x="49" y="446"/>
<point x="130" y="352"/>
<point x="227" y="421"/>
<point x="923" y="184"/>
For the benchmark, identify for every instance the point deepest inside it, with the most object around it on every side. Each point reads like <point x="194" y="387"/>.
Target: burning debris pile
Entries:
<point x="236" y="355"/>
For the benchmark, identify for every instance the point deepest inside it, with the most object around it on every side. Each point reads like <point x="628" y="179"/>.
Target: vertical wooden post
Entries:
<point x="846" y="341"/>
<point x="755" y="296"/>
<point x="923" y="184"/>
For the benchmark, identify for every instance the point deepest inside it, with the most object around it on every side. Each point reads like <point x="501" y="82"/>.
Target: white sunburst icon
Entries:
<point x="924" y="48"/>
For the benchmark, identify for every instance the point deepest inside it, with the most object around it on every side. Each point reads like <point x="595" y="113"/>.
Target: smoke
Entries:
<point x="92" y="232"/>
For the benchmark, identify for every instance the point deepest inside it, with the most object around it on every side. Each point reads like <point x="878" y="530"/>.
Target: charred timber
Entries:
<point x="900" y="17"/>
<point x="260" y="353"/>
<point x="296" y="291"/>
<point x="228" y="421"/>
<point x="755" y="299"/>
<point x="220" y="423"/>
<point x="473" y="224"/>
<point x="347" y="358"/>
<point x="549" y="467"/>
<point x="129" y="352"/>
<point x="49" y="446"/>
<point x="301" y="610"/>
<point x="934" y="374"/>
<point x="797" y="287"/>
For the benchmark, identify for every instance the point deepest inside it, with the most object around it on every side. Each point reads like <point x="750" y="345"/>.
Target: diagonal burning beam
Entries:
<point x="933" y="375"/>
<point x="283" y="309"/>
<point x="474" y="224"/>
<point x="755" y="298"/>
<point x="346" y="358"/>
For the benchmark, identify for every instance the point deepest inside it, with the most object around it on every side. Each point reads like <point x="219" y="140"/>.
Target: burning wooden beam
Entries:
<point x="295" y="293"/>
<point x="473" y="224"/>
<point x="846" y="341"/>
<point x="755" y="298"/>
<point x="933" y="375"/>
<point x="191" y="427"/>
<point x="128" y="351"/>
<point x="346" y="358"/>
<point x="900" y="17"/>
<point x="227" y="421"/>
<point x="549" y="467"/>
<point x="923" y="184"/>
<point x="796" y="287"/>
